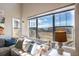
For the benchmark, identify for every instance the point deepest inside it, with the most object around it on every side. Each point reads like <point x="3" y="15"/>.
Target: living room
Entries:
<point x="25" y="26"/>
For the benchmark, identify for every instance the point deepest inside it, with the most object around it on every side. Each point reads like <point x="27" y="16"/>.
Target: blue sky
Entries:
<point x="60" y="20"/>
<point x="45" y="22"/>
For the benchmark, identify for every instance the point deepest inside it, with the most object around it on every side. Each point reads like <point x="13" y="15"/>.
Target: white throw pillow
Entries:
<point x="25" y="44"/>
<point x="33" y="51"/>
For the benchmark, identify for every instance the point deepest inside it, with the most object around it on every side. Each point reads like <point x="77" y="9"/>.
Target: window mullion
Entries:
<point x="53" y="27"/>
<point x="36" y="28"/>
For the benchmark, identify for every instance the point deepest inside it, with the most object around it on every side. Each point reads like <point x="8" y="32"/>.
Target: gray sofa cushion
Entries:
<point x="5" y="51"/>
<point x="2" y="42"/>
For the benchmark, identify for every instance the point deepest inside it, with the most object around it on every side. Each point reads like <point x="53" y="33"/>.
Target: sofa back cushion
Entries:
<point x="2" y="42"/>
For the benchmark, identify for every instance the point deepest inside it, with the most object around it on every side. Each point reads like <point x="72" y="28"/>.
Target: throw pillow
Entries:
<point x="30" y="47"/>
<point x="34" y="49"/>
<point x="26" y="44"/>
<point x="19" y="44"/>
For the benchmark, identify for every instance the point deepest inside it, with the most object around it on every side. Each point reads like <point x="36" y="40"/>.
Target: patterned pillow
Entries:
<point x="30" y="47"/>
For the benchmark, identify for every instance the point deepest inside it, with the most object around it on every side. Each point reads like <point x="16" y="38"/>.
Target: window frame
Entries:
<point x="53" y="18"/>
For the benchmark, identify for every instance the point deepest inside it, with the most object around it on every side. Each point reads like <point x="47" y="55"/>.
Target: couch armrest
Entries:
<point x="4" y="51"/>
<point x="14" y="51"/>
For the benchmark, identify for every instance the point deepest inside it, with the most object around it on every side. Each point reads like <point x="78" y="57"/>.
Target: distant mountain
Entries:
<point x="50" y="29"/>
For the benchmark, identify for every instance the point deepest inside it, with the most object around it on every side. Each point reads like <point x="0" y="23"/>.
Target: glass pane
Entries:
<point x="70" y="28"/>
<point x="45" y="28"/>
<point x="62" y="19"/>
<point x="65" y="21"/>
<point x="70" y="18"/>
<point x="32" y="28"/>
<point x="57" y="20"/>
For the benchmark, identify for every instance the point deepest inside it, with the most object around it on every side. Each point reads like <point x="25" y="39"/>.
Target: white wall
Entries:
<point x="10" y="10"/>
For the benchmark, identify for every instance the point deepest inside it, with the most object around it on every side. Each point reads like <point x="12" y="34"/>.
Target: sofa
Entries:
<point x="8" y="47"/>
<point x="24" y="46"/>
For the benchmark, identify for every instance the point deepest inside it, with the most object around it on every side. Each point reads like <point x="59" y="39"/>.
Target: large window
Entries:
<point x="43" y="27"/>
